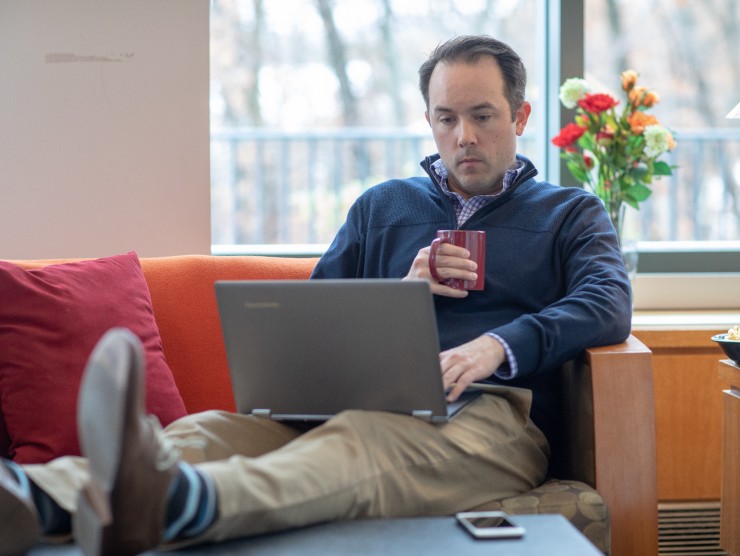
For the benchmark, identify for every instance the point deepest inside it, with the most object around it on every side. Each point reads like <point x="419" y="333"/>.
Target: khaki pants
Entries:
<point x="360" y="464"/>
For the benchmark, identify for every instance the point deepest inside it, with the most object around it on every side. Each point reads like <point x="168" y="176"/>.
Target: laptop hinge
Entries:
<point x="424" y="414"/>
<point x="262" y="413"/>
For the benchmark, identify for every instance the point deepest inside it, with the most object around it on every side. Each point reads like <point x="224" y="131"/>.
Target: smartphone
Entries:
<point x="490" y="525"/>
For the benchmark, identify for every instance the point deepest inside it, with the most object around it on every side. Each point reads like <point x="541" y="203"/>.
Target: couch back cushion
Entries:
<point x="184" y="303"/>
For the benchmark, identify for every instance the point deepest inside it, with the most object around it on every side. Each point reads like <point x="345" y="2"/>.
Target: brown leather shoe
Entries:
<point x="19" y="522"/>
<point x="122" y="511"/>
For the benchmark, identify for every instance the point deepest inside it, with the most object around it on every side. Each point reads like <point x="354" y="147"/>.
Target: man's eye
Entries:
<point x="484" y="117"/>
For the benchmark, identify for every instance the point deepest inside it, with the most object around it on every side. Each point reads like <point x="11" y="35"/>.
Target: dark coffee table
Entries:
<point x="545" y="534"/>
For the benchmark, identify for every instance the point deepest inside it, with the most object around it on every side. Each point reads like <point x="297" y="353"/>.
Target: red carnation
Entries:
<point x="568" y="135"/>
<point x="597" y="103"/>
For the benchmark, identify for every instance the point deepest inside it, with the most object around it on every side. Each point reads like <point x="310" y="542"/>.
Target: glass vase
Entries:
<point x="627" y="245"/>
<point x="630" y="256"/>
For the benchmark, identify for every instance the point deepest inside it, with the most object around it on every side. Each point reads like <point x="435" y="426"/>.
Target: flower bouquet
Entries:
<point x="613" y="153"/>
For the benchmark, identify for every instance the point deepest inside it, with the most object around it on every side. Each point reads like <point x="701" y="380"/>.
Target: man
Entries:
<point x="554" y="284"/>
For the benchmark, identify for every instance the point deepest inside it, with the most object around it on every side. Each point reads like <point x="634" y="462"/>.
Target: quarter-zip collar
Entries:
<point x="525" y="171"/>
<point x="529" y="171"/>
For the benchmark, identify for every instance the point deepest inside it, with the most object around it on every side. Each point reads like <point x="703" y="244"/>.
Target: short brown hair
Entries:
<point x="468" y="49"/>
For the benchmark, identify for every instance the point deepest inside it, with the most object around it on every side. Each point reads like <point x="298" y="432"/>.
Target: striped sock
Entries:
<point x="19" y="475"/>
<point x="191" y="506"/>
<point x="54" y="520"/>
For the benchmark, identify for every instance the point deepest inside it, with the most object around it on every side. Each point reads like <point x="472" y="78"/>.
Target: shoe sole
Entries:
<point x="110" y="386"/>
<point x="93" y="523"/>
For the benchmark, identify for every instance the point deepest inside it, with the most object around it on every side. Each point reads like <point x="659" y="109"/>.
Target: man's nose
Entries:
<point x="465" y="134"/>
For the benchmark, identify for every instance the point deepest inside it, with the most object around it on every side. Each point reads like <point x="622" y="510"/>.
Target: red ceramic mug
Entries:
<point x="472" y="240"/>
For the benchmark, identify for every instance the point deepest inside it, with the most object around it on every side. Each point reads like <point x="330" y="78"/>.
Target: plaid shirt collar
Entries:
<point x="465" y="208"/>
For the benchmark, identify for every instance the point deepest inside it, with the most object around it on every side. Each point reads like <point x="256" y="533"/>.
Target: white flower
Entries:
<point x="573" y="90"/>
<point x="656" y="140"/>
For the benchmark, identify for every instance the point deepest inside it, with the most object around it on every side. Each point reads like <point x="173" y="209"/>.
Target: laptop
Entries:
<point x="308" y="349"/>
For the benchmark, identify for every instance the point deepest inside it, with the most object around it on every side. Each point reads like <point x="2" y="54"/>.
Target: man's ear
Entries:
<point x="426" y="117"/>
<point x="522" y="116"/>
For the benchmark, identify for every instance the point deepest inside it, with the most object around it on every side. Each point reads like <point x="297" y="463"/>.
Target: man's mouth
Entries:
<point x="469" y="161"/>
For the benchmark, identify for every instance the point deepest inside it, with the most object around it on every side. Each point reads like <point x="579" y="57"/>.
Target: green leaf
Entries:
<point x="631" y="202"/>
<point x="637" y="193"/>
<point x="661" y="168"/>
<point x="626" y="181"/>
<point x="638" y="172"/>
<point x="577" y="170"/>
<point x="587" y="142"/>
<point x="634" y="141"/>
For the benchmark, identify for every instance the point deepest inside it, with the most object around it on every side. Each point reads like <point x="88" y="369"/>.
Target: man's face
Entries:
<point x="471" y="123"/>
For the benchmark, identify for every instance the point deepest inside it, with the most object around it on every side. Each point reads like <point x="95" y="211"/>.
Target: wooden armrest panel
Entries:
<point x="611" y="415"/>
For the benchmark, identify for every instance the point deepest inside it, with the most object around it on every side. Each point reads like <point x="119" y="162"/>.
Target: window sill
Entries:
<point x="267" y="250"/>
<point x="685" y="320"/>
<point x="681" y="291"/>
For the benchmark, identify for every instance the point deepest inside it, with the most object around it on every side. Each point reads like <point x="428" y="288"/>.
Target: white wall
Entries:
<point x="104" y="131"/>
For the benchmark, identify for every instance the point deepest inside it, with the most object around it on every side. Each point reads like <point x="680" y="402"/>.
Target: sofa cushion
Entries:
<point x="50" y="320"/>
<point x="576" y="501"/>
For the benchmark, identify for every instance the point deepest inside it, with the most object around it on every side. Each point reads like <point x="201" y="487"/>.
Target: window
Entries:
<point x="689" y="230"/>
<point x="313" y="101"/>
<point x="687" y="51"/>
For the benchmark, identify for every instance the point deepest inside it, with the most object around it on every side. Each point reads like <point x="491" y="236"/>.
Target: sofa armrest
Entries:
<point x="610" y="411"/>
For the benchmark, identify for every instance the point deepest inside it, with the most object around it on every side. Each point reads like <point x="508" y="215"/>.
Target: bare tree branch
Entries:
<point x="338" y="60"/>
<point x="391" y="60"/>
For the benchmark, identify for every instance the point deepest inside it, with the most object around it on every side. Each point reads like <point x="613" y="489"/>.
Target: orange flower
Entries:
<point x="635" y="95"/>
<point x="650" y="99"/>
<point x="671" y="141"/>
<point x="639" y="121"/>
<point x="629" y="78"/>
<point x="643" y="96"/>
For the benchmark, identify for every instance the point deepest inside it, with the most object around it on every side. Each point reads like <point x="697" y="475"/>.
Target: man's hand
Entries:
<point x="452" y="262"/>
<point x="470" y="362"/>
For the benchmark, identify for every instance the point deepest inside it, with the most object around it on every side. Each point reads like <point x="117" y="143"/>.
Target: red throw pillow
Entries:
<point x="50" y="320"/>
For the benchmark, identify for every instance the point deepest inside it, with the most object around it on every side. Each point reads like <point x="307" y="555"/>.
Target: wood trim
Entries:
<point x="613" y="385"/>
<point x="729" y="372"/>
<point x="624" y="433"/>
<point x="730" y="504"/>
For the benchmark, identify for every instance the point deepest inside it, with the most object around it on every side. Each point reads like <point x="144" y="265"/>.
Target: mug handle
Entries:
<point x="433" y="257"/>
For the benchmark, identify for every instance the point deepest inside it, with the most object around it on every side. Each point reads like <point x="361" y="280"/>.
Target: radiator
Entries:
<point x="689" y="529"/>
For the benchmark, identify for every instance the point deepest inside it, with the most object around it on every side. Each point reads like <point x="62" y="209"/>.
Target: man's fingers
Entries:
<point x="441" y="289"/>
<point x="458" y="388"/>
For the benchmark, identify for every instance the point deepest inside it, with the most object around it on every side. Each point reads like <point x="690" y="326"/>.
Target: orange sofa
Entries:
<point x="184" y="303"/>
<point x="608" y="398"/>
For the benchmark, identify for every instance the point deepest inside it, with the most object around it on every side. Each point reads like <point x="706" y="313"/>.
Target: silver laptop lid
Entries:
<point x="309" y="349"/>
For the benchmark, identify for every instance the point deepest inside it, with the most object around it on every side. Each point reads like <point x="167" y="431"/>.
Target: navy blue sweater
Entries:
<point x="555" y="282"/>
